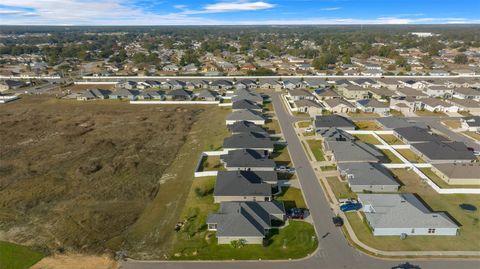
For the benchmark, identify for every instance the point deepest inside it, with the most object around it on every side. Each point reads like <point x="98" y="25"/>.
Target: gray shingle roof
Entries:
<point x="396" y="122"/>
<point x="367" y="174"/>
<point x="322" y="122"/>
<point x="416" y="134"/>
<point x="335" y="134"/>
<point x="401" y="211"/>
<point x="436" y="150"/>
<point x="245" y="115"/>
<point x="246" y="127"/>
<point x="353" y="151"/>
<point x="247" y="158"/>
<point x="245" y="104"/>
<point x="241" y="183"/>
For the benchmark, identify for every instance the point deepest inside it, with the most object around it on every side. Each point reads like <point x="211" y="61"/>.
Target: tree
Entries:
<point x="324" y="60"/>
<point x="139" y="58"/>
<point x="400" y="61"/>
<point x="261" y="72"/>
<point x="461" y="59"/>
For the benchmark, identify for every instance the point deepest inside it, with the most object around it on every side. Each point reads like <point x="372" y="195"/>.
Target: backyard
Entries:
<point x="441" y="183"/>
<point x="391" y="157"/>
<point x="426" y="113"/>
<point x="194" y="242"/>
<point x="410" y="156"/>
<point x="316" y="148"/>
<point x="367" y="125"/>
<point x="368" y="138"/>
<point x="391" y="139"/>
<point x="210" y="163"/>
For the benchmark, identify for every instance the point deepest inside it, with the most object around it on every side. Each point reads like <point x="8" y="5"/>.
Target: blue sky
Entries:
<point x="207" y="12"/>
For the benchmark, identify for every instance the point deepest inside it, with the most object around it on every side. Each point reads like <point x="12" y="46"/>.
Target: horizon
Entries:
<point x="236" y="12"/>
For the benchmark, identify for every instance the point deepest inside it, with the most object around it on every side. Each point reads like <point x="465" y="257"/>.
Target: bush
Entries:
<point x="238" y="243"/>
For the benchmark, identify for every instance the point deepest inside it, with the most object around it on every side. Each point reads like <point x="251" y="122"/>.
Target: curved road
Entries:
<point x="334" y="250"/>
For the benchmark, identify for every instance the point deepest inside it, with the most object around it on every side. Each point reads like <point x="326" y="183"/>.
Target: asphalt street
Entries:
<point x="334" y="250"/>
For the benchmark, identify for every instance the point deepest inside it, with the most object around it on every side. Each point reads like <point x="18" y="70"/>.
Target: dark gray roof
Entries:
<point x="417" y="134"/>
<point x="180" y="92"/>
<point x="222" y="82"/>
<point x="436" y="150"/>
<point x="373" y="103"/>
<point x="367" y="174"/>
<point x="241" y="94"/>
<point x="125" y="93"/>
<point x="245" y="127"/>
<point x="299" y="92"/>
<point x="335" y="134"/>
<point x="248" y="141"/>
<point x="245" y="115"/>
<point x="328" y="121"/>
<point x="247" y="158"/>
<point x="241" y="183"/>
<point x="353" y="151"/>
<point x="473" y="121"/>
<point x="397" y="122"/>
<point x="207" y="94"/>
<point x="245" y="104"/>
<point x="249" y="219"/>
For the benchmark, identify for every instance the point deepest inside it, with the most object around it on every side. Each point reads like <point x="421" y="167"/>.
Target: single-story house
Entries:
<point x="409" y="92"/>
<point x="247" y="160"/>
<point x="403" y="214"/>
<point x="245" y="115"/>
<point x="238" y="186"/>
<point x="254" y="141"/>
<point x="352" y="151"/>
<point x="129" y="85"/>
<point x="335" y="134"/>
<point x="124" y="94"/>
<point x="458" y="173"/>
<point x="174" y="85"/>
<point x="10" y="84"/>
<point x="471" y="123"/>
<point x="405" y="104"/>
<point x="246" y="104"/>
<point x="247" y="83"/>
<point x="179" y="95"/>
<point x="366" y="83"/>
<point x="207" y="95"/>
<point x="269" y="83"/>
<point x="308" y="106"/>
<point x="368" y="177"/>
<point x="415" y="134"/>
<point x="246" y="127"/>
<point x="373" y="105"/>
<point x="438" y="105"/>
<point x="326" y="93"/>
<point x="329" y="121"/>
<point x="246" y="221"/>
<point x="381" y="93"/>
<point x="221" y="84"/>
<point x="410" y="83"/>
<point x="338" y="105"/>
<point x="94" y="94"/>
<point x="241" y="94"/>
<point x="466" y="93"/>
<point x="299" y="94"/>
<point x="390" y="123"/>
<point x="439" y="91"/>
<point x="468" y="105"/>
<point x="443" y="152"/>
<point x="353" y="92"/>
<point x="315" y="82"/>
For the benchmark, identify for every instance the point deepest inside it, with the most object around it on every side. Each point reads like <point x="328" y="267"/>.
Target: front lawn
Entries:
<point x="340" y="189"/>
<point x="13" y="256"/>
<point x="410" y="156"/>
<point x="328" y="168"/>
<point x="281" y="155"/>
<point x="452" y="124"/>
<point x="391" y="139"/>
<point x="426" y="113"/>
<point x="194" y="242"/>
<point x="473" y="135"/>
<point x="363" y="114"/>
<point x="304" y="124"/>
<point x="272" y="126"/>
<point x="316" y="148"/>
<point x="368" y="138"/>
<point x="291" y="197"/>
<point x="391" y="158"/>
<point x="367" y="125"/>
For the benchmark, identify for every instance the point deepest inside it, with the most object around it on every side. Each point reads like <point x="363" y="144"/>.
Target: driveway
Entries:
<point x="334" y="250"/>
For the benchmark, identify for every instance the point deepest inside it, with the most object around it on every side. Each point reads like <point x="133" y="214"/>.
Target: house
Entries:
<point x="299" y="94"/>
<point x="416" y="134"/>
<point x="466" y="93"/>
<point x="405" y="104"/>
<point x="247" y="160"/>
<point x="338" y="105"/>
<point x="372" y="73"/>
<point x="197" y="84"/>
<point x="373" y="105"/>
<point x="247" y="83"/>
<point x="246" y="127"/>
<point x="174" y="85"/>
<point x="179" y="95"/>
<point x="381" y="93"/>
<point x="207" y="95"/>
<point x="269" y="83"/>
<point x="468" y="105"/>
<point x="326" y="93"/>
<point x="238" y="186"/>
<point x="330" y="121"/>
<point x="439" y="73"/>
<point x="352" y="151"/>
<point x="308" y="106"/>
<point x="353" y="92"/>
<point x="412" y="93"/>
<point x="249" y="222"/>
<point x="245" y="115"/>
<point x="458" y="173"/>
<point x="438" y="105"/>
<point x="124" y="94"/>
<point x="244" y="94"/>
<point x="171" y="68"/>
<point x="471" y="124"/>
<point x="366" y="83"/>
<point x="292" y="83"/>
<point x="10" y="85"/>
<point x="190" y="69"/>
<point x="246" y="104"/>
<point x="443" y="152"/>
<point x="335" y="134"/>
<point x="390" y="123"/>
<point x="315" y="82"/>
<point x="129" y="85"/>
<point x="413" y="84"/>
<point x="157" y="95"/>
<point x="255" y="141"/>
<point x="439" y="91"/>
<point x="94" y="94"/>
<point x="221" y="84"/>
<point x="363" y="177"/>
<point x="389" y="83"/>
<point x="403" y="214"/>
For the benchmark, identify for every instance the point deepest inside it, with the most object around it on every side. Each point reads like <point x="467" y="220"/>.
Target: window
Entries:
<point x="431" y="230"/>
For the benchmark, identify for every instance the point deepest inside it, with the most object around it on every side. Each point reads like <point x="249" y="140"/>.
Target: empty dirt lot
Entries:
<point x="74" y="175"/>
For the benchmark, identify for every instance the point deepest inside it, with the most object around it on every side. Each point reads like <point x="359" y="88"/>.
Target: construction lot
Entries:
<point x="92" y="177"/>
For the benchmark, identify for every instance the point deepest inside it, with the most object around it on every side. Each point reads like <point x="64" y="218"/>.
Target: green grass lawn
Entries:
<point x="13" y="256"/>
<point x="391" y="139"/>
<point x="268" y="107"/>
<point x="308" y="133"/>
<point x="409" y="155"/>
<point x="292" y="197"/>
<point x="194" y="242"/>
<point x="363" y="114"/>
<point x="211" y="163"/>
<point x="392" y="158"/>
<point x="281" y="155"/>
<point x="441" y="183"/>
<point x="304" y="124"/>
<point x="367" y="125"/>
<point x="469" y="235"/>
<point x="316" y="148"/>
<point x="340" y="189"/>
<point x="329" y="168"/>
<point x="367" y="138"/>
<point x="426" y="113"/>
<point x="396" y="113"/>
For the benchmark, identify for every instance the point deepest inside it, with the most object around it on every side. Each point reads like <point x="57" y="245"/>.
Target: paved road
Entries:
<point x="334" y="251"/>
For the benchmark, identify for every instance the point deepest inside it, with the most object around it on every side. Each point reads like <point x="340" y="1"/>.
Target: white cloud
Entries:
<point x="330" y="8"/>
<point x="240" y="5"/>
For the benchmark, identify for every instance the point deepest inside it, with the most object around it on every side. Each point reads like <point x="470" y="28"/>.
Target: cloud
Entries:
<point x="221" y="7"/>
<point x="330" y="8"/>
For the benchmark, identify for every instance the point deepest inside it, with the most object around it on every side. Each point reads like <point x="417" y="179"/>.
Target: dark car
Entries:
<point x="350" y="207"/>
<point x="296" y="213"/>
<point x="338" y="221"/>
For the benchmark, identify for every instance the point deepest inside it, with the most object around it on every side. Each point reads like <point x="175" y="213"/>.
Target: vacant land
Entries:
<point x="468" y="238"/>
<point x="195" y="242"/>
<point x="367" y="138"/>
<point x="391" y="139"/>
<point x="83" y="87"/>
<point x="13" y="256"/>
<point x="76" y="261"/>
<point x="316" y="148"/>
<point x="367" y="125"/>
<point x="281" y="156"/>
<point x="82" y="176"/>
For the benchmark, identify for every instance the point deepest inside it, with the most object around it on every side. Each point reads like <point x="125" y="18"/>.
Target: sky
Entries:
<point x="237" y="12"/>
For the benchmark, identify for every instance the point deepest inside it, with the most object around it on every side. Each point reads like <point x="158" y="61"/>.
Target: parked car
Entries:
<point x="350" y="207"/>
<point x="309" y="129"/>
<point x="347" y="201"/>
<point x="338" y="221"/>
<point x="285" y="169"/>
<point x="296" y="213"/>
